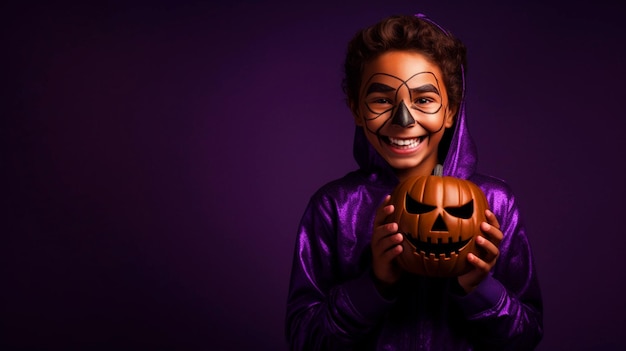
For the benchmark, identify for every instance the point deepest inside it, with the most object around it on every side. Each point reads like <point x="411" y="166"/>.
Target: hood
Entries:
<point x="459" y="162"/>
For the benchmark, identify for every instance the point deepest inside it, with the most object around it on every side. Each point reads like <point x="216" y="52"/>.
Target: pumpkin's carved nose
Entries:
<point x="439" y="225"/>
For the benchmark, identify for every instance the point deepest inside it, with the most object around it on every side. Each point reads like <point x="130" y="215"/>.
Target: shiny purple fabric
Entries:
<point x="334" y="305"/>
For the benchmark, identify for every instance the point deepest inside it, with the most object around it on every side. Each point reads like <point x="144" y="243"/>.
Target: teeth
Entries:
<point x="405" y="142"/>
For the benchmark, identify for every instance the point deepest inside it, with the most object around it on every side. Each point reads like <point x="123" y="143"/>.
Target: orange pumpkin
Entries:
<point x="440" y="219"/>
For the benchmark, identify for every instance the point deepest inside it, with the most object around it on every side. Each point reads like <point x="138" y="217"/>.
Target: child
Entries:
<point x="404" y="83"/>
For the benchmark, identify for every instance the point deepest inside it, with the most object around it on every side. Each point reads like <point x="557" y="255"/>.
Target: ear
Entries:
<point x="450" y="117"/>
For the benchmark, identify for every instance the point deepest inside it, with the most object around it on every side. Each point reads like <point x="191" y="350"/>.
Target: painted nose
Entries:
<point x="402" y="117"/>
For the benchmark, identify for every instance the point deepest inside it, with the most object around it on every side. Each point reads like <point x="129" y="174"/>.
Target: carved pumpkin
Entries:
<point x="440" y="219"/>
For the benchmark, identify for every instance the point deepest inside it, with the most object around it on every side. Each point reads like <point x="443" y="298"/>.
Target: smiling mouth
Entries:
<point x="427" y="247"/>
<point x="403" y="143"/>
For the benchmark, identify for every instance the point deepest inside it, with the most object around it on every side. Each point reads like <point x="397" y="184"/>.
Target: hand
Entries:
<point x="489" y="253"/>
<point x="386" y="246"/>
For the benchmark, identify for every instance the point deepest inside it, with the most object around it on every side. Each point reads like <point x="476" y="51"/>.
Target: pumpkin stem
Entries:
<point x="438" y="171"/>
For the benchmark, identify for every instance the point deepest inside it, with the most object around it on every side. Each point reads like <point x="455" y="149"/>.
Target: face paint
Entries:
<point x="387" y="96"/>
<point x="403" y="108"/>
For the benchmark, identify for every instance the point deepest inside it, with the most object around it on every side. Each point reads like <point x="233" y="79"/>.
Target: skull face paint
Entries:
<point x="422" y="91"/>
<point x="403" y="107"/>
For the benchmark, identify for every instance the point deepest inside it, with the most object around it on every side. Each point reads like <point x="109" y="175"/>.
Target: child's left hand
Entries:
<point x="482" y="265"/>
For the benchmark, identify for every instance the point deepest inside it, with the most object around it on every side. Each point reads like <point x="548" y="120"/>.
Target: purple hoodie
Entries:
<point x="333" y="303"/>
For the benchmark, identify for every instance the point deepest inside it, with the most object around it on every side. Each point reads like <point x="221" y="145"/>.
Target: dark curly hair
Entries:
<point x="404" y="32"/>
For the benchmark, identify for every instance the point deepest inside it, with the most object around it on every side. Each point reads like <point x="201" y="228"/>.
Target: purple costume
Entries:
<point x="333" y="303"/>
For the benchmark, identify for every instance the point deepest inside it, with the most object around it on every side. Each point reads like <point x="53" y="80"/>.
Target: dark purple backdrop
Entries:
<point x="157" y="158"/>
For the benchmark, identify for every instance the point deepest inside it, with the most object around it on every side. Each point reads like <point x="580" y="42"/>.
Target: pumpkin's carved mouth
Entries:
<point x="427" y="247"/>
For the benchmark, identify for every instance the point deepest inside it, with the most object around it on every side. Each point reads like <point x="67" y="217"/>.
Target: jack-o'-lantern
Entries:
<point x="440" y="219"/>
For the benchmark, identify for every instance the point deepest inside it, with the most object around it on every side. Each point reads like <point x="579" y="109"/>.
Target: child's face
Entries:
<point x="403" y="107"/>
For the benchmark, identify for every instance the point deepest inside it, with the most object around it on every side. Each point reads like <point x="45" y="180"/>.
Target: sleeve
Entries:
<point x="323" y="312"/>
<point x="505" y="311"/>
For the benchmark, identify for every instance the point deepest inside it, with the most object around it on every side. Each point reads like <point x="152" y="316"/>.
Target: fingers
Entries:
<point x="386" y="244"/>
<point x="389" y="247"/>
<point x="383" y="211"/>
<point x="383" y="255"/>
<point x="490" y="250"/>
<point x="491" y="228"/>
<point x="490" y="255"/>
<point x="388" y="241"/>
<point x="384" y="251"/>
<point x="491" y="219"/>
<point x="383" y="230"/>
<point x="478" y="263"/>
<point x="385" y="239"/>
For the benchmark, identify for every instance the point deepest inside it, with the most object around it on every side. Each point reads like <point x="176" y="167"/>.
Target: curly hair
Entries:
<point x="404" y="32"/>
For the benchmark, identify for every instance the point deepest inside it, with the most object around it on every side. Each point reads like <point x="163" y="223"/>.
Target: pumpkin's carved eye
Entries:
<point x="466" y="211"/>
<point x="415" y="207"/>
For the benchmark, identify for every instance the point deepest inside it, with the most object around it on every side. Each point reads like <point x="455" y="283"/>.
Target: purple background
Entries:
<point x="157" y="158"/>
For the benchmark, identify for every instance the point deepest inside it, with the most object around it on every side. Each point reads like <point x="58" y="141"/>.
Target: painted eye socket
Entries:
<point x="415" y="207"/>
<point x="465" y="212"/>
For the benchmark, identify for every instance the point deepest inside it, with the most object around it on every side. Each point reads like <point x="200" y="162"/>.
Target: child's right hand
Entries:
<point x="386" y="246"/>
